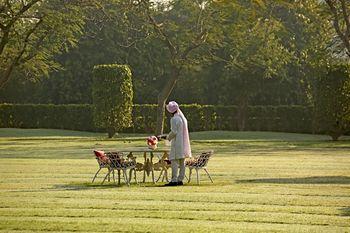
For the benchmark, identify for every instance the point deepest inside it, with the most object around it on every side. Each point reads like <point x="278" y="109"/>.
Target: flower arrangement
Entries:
<point x="152" y="142"/>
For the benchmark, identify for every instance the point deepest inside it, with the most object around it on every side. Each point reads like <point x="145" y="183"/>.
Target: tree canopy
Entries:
<point x="32" y="32"/>
<point x="229" y="52"/>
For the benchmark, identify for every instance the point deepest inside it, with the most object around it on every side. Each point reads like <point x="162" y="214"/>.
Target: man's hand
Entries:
<point x="160" y="137"/>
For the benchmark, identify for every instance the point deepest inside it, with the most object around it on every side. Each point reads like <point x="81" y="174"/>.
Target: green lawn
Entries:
<point x="263" y="182"/>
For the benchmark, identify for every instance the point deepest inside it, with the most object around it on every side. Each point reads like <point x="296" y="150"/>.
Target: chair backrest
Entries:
<point x="116" y="159"/>
<point x="203" y="159"/>
<point x="101" y="158"/>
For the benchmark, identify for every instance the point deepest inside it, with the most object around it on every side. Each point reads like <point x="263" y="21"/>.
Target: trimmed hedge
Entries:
<point x="112" y="97"/>
<point x="73" y="117"/>
<point x="296" y="119"/>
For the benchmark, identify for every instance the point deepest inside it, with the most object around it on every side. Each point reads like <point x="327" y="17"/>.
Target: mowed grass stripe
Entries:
<point x="323" y="190"/>
<point x="291" y="216"/>
<point x="223" y="165"/>
<point x="163" y="194"/>
<point x="105" y="202"/>
<point x="127" y="224"/>
<point x="234" y="217"/>
<point x="163" y="206"/>
<point x="260" y="186"/>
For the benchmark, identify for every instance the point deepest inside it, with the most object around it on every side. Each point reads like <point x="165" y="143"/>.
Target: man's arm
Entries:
<point x="162" y="136"/>
<point x="174" y="129"/>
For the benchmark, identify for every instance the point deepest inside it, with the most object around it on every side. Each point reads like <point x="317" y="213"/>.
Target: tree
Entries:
<point x="112" y="97"/>
<point x="252" y="50"/>
<point x="180" y="29"/>
<point x="340" y="15"/>
<point x="332" y="101"/>
<point x="31" y="32"/>
<point x="309" y="39"/>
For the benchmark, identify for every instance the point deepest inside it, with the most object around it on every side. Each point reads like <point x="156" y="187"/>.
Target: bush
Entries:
<point x="112" y="97"/>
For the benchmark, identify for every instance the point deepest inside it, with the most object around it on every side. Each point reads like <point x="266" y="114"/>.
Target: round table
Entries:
<point x="148" y="167"/>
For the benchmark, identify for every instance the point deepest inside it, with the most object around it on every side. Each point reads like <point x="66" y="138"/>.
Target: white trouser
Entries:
<point x="175" y="164"/>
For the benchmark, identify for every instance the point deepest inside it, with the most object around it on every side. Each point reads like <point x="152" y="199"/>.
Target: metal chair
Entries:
<point x="103" y="162"/>
<point x="117" y="162"/>
<point x="198" y="163"/>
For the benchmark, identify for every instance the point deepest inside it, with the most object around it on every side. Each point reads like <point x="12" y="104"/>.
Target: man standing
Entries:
<point x="180" y="143"/>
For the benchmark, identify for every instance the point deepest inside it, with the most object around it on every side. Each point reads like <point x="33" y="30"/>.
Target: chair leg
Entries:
<point x="197" y="176"/>
<point x="113" y="176"/>
<point x="118" y="177"/>
<point x="107" y="175"/>
<point x="160" y="175"/>
<point x="126" y="177"/>
<point x="166" y="175"/>
<point x="186" y="177"/>
<point x="208" y="174"/>
<point x="130" y="175"/>
<point x="135" y="176"/>
<point x="153" y="176"/>
<point x="96" y="175"/>
<point x="189" y="175"/>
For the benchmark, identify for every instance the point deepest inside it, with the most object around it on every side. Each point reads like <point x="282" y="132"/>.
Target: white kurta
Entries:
<point x="176" y="137"/>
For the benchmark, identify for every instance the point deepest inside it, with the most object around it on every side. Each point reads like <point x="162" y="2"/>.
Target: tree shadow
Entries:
<point x="345" y="211"/>
<point x="304" y="180"/>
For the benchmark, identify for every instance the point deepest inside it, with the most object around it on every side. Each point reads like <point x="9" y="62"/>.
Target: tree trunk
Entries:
<point x="111" y="132"/>
<point x="335" y="137"/>
<point x="341" y="13"/>
<point x="162" y="98"/>
<point x="160" y="115"/>
<point x="337" y="131"/>
<point x="5" y="76"/>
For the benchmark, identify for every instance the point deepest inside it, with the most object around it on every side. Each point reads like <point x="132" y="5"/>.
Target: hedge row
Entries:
<point x="73" y="117"/>
<point x="200" y="117"/>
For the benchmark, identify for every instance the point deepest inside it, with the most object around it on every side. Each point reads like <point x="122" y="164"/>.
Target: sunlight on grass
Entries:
<point x="261" y="184"/>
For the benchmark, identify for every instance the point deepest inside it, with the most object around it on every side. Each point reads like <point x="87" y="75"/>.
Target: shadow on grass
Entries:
<point x="345" y="211"/>
<point x="85" y="186"/>
<point x="89" y="186"/>
<point x="304" y="180"/>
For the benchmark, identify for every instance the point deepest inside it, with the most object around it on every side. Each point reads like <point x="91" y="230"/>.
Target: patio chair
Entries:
<point x="103" y="162"/>
<point x="117" y="162"/>
<point x="198" y="163"/>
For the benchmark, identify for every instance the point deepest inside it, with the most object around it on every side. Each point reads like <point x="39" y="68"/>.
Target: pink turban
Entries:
<point x="172" y="107"/>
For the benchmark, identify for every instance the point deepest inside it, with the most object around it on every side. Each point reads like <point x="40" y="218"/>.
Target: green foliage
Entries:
<point x="200" y="118"/>
<point x="292" y="33"/>
<point x="32" y="32"/>
<point x="332" y="103"/>
<point x="74" y="117"/>
<point x="144" y="118"/>
<point x="112" y="97"/>
<point x="253" y="42"/>
<point x="208" y="117"/>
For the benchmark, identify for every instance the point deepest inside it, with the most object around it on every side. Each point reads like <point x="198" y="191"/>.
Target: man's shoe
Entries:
<point x="180" y="183"/>
<point x="171" y="184"/>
